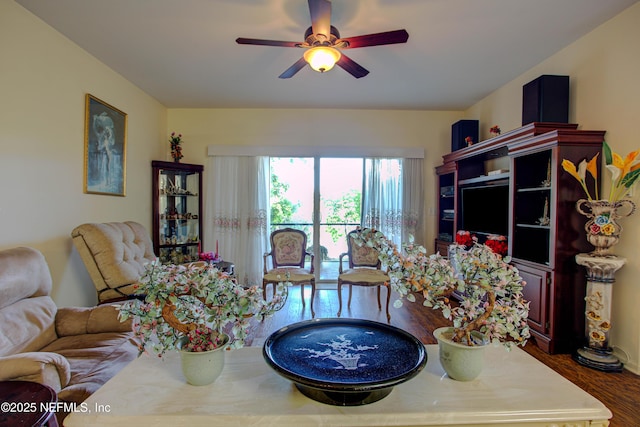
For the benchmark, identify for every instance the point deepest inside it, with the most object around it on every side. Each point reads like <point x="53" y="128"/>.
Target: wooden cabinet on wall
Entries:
<point x="177" y="211"/>
<point x="532" y="201"/>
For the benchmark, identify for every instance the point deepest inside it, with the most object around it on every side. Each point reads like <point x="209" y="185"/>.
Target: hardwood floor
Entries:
<point x="620" y="392"/>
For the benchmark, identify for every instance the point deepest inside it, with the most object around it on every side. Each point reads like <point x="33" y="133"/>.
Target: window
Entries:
<point x="321" y="196"/>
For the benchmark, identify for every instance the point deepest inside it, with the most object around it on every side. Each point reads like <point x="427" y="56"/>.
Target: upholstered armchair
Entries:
<point x="288" y="255"/>
<point x="115" y="254"/>
<point x="73" y="350"/>
<point x="364" y="270"/>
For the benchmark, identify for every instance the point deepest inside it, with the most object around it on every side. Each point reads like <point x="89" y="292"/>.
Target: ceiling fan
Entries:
<point x="324" y="45"/>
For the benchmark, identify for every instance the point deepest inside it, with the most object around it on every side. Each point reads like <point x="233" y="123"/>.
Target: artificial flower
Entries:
<point x="176" y="300"/>
<point x="624" y="172"/>
<point x="491" y="289"/>
<point x="176" y="148"/>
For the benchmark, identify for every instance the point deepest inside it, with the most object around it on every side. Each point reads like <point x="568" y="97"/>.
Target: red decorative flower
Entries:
<point x="465" y="238"/>
<point x="498" y="244"/>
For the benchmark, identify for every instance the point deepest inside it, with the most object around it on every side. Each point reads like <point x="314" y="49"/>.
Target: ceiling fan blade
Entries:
<point x="377" y="39"/>
<point x="352" y="67"/>
<point x="320" y="11"/>
<point x="261" y="42"/>
<point x="291" y="71"/>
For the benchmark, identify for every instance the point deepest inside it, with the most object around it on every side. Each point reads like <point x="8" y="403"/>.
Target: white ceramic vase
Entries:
<point x="460" y="361"/>
<point x="203" y="367"/>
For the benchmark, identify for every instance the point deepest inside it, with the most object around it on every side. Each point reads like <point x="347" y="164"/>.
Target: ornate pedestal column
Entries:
<point x="600" y="278"/>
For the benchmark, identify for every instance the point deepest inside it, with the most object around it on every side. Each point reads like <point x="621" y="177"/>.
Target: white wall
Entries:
<point x="321" y="127"/>
<point x="605" y="92"/>
<point x="43" y="81"/>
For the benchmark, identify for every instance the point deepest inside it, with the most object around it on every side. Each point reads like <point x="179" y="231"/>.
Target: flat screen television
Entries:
<point x="485" y="209"/>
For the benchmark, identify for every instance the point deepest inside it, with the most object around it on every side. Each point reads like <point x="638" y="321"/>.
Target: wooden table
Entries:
<point x="514" y="390"/>
<point x="25" y="403"/>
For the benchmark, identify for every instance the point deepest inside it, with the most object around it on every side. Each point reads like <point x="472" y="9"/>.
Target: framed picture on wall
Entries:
<point x="105" y="143"/>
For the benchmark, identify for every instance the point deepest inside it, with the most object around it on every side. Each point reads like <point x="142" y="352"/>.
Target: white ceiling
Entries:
<point x="183" y="52"/>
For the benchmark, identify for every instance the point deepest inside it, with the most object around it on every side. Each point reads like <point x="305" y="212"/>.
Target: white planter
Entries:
<point x="460" y="361"/>
<point x="203" y="367"/>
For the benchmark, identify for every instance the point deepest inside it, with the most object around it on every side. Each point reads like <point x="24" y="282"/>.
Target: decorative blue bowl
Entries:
<point x="344" y="362"/>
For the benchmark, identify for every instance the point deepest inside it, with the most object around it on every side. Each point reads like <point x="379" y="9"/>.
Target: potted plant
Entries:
<point x="491" y="307"/>
<point x="197" y="309"/>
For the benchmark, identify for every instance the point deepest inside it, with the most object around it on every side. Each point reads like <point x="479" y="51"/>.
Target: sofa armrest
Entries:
<point x="47" y="368"/>
<point x="89" y="320"/>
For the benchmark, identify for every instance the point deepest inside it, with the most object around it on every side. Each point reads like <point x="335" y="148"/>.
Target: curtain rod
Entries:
<point x="322" y="151"/>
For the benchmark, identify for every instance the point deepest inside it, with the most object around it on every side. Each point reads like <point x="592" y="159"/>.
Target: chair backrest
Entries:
<point x="26" y="309"/>
<point x="288" y="248"/>
<point x="361" y="255"/>
<point x="115" y="254"/>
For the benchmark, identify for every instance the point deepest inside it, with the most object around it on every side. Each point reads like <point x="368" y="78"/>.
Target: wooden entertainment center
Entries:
<point x="514" y="185"/>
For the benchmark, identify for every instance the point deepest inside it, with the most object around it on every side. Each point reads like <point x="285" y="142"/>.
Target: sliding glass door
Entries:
<point x="321" y="196"/>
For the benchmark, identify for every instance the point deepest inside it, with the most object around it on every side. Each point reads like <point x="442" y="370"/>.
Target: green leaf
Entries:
<point x="630" y="178"/>
<point x="608" y="157"/>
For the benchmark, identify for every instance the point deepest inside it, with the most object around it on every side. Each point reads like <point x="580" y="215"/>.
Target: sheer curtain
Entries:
<point x="237" y="213"/>
<point x="392" y="199"/>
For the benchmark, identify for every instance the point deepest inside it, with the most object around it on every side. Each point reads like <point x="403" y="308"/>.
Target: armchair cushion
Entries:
<point x="93" y="358"/>
<point x="363" y="275"/>
<point x="295" y="275"/>
<point x="27" y="325"/>
<point x="51" y="369"/>
<point x="89" y="320"/>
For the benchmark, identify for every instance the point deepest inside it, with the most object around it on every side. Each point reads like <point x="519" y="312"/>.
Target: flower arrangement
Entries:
<point x="624" y="172"/>
<point x="209" y="256"/>
<point x="202" y="339"/>
<point x="497" y="243"/>
<point x="495" y="130"/>
<point x="201" y="303"/>
<point x="176" y="148"/>
<point x="491" y="289"/>
<point x="465" y="238"/>
<point x="469" y="141"/>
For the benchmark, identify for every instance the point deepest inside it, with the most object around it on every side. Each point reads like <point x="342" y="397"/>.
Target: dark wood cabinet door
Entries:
<point x="536" y="291"/>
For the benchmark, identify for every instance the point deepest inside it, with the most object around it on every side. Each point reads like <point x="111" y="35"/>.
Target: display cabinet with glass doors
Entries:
<point x="177" y="211"/>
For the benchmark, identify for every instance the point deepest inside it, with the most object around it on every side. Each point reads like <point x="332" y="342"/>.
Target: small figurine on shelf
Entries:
<point x="544" y="219"/>
<point x="547" y="182"/>
<point x="494" y="131"/>
<point x="176" y="149"/>
<point x="469" y="141"/>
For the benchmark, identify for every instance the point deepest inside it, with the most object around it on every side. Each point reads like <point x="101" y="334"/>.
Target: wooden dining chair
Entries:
<point x="364" y="270"/>
<point x="288" y="255"/>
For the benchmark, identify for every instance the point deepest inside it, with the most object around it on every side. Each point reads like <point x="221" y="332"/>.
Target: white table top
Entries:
<point x="514" y="389"/>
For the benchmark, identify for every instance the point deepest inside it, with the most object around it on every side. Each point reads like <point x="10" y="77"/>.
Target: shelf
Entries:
<point x="500" y="178"/>
<point x="178" y="245"/>
<point x="536" y="226"/>
<point x="532" y="189"/>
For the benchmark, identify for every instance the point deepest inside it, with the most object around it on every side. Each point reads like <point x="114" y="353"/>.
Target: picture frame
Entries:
<point x="105" y="148"/>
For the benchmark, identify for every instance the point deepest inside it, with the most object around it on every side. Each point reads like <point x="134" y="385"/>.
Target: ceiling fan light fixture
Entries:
<point x="322" y="58"/>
